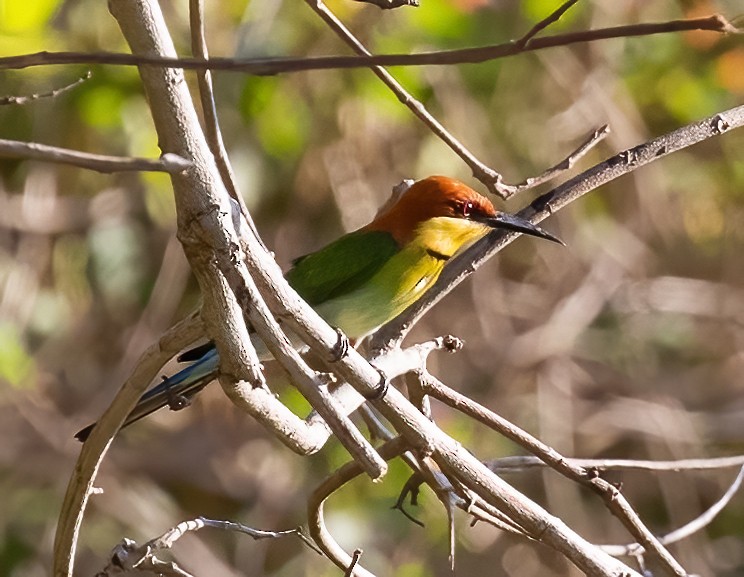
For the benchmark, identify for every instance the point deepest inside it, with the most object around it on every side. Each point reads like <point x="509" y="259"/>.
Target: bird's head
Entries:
<point x="443" y="200"/>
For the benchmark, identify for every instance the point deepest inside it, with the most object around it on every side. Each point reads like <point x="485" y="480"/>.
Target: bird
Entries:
<point x="366" y="277"/>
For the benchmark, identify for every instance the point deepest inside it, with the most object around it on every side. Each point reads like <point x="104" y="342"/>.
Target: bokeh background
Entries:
<point x="628" y="343"/>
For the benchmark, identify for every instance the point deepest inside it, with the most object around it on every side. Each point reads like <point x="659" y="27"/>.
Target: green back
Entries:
<point x="342" y="266"/>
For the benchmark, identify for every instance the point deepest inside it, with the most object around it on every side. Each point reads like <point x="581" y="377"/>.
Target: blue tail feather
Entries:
<point x="176" y="388"/>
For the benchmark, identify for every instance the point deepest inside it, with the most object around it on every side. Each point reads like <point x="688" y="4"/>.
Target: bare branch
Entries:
<point x="622" y="163"/>
<point x="614" y="500"/>
<point x="707" y="517"/>
<point x="204" y="208"/>
<point x="522" y="463"/>
<point x="390" y="4"/>
<point x="687" y="530"/>
<point x="80" y="486"/>
<point x="488" y="176"/>
<point x="271" y="66"/>
<point x="170" y="163"/>
<point x="205" y="221"/>
<point x="420" y="432"/>
<point x="247" y="294"/>
<point x="485" y="174"/>
<point x="563" y="166"/>
<point x="128" y="556"/>
<point x="315" y="517"/>
<point x="425" y="471"/>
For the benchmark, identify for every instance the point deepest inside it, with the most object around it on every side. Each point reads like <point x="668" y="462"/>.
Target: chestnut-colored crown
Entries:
<point x="432" y="197"/>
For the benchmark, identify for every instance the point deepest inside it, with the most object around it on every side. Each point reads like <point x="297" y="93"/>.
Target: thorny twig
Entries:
<point x="128" y="556"/>
<point x="614" y="500"/>
<point x="686" y="530"/>
<point x="20" y="100"/>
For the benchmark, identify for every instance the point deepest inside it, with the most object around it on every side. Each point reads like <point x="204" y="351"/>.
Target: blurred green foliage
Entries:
<point x="627" y="343"/>
<point x="16" y="365"/>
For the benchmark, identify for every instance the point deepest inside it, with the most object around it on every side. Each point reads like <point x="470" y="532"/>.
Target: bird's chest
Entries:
<point x="400" y="283"/>
<point x="415" y="275"/>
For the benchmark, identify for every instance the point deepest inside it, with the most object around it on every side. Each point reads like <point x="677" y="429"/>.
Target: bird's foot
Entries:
<point x="176" y="402"/>
<point x="381" y="389"/>
<point x="340" y="349"/>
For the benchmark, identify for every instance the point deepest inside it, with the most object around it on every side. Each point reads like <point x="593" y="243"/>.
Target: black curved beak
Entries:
<point x="508" y="221"/>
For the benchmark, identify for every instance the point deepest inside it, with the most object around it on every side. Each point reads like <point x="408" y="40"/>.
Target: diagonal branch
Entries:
<point x="419" y="431"/>
<point x="623" y="163"/>
<point x="492" y="179"/>
<point x="614" y="500"/>
<point x="686" y="530"/>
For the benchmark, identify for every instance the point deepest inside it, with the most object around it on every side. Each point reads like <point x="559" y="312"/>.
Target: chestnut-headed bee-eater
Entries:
<point x="368" y="277"/>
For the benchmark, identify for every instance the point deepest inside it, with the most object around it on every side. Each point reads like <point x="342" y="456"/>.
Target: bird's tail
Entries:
<point x="173" y="392"/>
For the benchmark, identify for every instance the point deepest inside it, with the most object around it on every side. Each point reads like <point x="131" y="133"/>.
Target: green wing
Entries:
<point x="342" y="266"/>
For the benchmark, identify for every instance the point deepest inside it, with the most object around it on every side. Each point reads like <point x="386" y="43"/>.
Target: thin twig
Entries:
<point x="170" y="163"/>
<point x="485" y="174"/>
<point x="390" y="335"/>
<point x="544" y="23"/>
<point x="614" y="500"/>
<point x="20" y="100"/>
<point x="564" y="165"/>
<point x="128" y="556"/>
<point x="355" y="557"/>
<point x="522" y="463"/>
<point x="390" y="4"/>
<point x="80" y="485"/>
<point x="271" y="66"/>
<point x="424" y="472"/>
<point x="490" y="178"/>
<point x="410" y="487"/>
<point x="706" y="518"/>
<point x="686" y="530"/>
